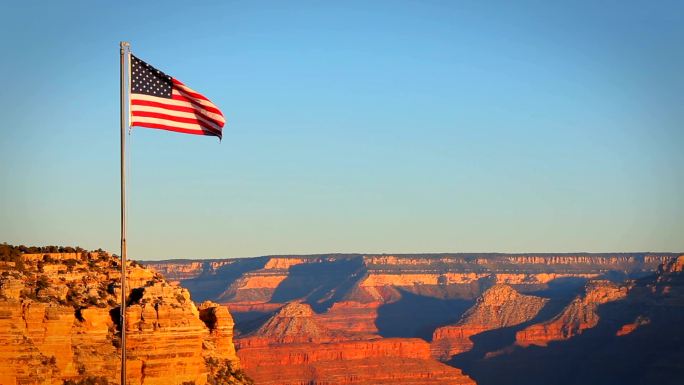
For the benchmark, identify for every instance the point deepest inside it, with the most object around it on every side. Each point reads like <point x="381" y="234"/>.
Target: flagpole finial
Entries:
<point x="125" y="46"/>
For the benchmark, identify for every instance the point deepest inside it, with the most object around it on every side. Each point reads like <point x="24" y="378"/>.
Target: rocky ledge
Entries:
<point x="59" y="323"/>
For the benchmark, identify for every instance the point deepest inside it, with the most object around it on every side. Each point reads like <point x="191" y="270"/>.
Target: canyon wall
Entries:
<point x="498" y="307"/>
<point x="579" y="315"/>
<point x="628" y="333"/>
<point x="340" y="319"/>
<point x="59" y="321"/>
<point x="375" y="294"/>
<point x="327" y="279"/>
<point x="365" y="311"/>
<point x="294" y="348"/>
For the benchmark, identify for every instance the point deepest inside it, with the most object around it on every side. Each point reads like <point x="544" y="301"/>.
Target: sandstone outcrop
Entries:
<point x="498" y="307"/>
<point x="294" y="323"/>
<point x="579" y="315"/>
<point x="220" y="324"/>
<point x="294" y="347"/>
<point x="601" y="337"/>
<point x="351" y="316"/>
<point x="382" y="361"/>
<point x="59" y="321"/>
<point x="632" y="326"/>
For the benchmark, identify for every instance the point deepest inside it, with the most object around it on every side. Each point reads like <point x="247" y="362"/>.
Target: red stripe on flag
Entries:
<point x="201" y="131"/>
<point x="172" y="107"/>
<point x="180" y="119"/>
<point x="195" y="102"/>
<point x="188" y="90"/>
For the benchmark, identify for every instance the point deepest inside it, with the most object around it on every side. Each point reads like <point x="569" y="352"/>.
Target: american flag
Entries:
<point x="160" y="101"/>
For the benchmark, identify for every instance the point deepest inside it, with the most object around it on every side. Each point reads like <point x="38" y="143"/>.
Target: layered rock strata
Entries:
<point x="579" y="315"/>
<point x="294" y="348"/>
<point x="636" y="339"/>
<point x="498" y="307"/>
<point x="326" y="279"/>
<point x="59" y="315"/>
<point x="354" y="317"/>
<point x="384" y="361"/>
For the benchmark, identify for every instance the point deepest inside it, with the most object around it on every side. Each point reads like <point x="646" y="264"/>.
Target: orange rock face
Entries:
<point x="498" y="307"/>
<point x="164" y="338"/>
<point x="220" y="324"/>
<point x="630" y="327"/>
<point x="382" y="361"/>
<point x="357" y="298"/>
<point x="354" y="317"/>
<point x="294" y="347"/>
<point x="579" y="315"/>
<point x="383" y="278"/>
<point x="49" y="350"/>
<point x="58" y="321"/>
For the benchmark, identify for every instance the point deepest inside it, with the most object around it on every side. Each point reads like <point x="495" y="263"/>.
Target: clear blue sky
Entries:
<point x="362" y="126"/>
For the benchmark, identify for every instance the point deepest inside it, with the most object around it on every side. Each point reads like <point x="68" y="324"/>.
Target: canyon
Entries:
<point x="579" y="315"/>
<point x="326" y="279"/>
<point x="498" y="307"/>
<point x="341" y="319"/>
<point x="626" y="333"/>
<point x="350" y="318"/>
<point x="293" y="348"/>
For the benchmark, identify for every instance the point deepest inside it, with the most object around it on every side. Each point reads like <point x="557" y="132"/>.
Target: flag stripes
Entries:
<point x="162" y="102"/>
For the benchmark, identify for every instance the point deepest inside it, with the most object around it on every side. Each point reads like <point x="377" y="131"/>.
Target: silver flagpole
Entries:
<point x="125" y="76"/>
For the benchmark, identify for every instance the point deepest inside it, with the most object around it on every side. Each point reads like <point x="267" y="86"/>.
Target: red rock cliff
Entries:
<point x="579" y="315"/>
<point x="294" y="348"/>
<point x="58" y="316"/>
<point x="382" y="278"/>
<point x="498" y="307"/>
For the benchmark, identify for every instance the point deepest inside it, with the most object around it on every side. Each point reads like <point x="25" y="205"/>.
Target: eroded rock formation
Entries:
<point x="59" y="315"/>
<point x="579" y="315"/>
<point x="498" y="307"/>
<point x="294" y="348"/>
<point x="635" y="339"/>
<point x="327" y="279"/>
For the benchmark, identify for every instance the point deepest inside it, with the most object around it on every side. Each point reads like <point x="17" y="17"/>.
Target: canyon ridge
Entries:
<point x="419" y="319"/>
<point x="440" y="318"/>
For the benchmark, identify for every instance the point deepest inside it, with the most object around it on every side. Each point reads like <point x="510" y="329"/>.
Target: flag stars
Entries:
<point x="148" y="80"/>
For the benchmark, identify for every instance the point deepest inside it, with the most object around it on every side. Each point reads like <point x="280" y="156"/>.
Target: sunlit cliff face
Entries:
<point x="59" y="321"/>
<point x="498" y="307"/>
<point x="294" y="347"/>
